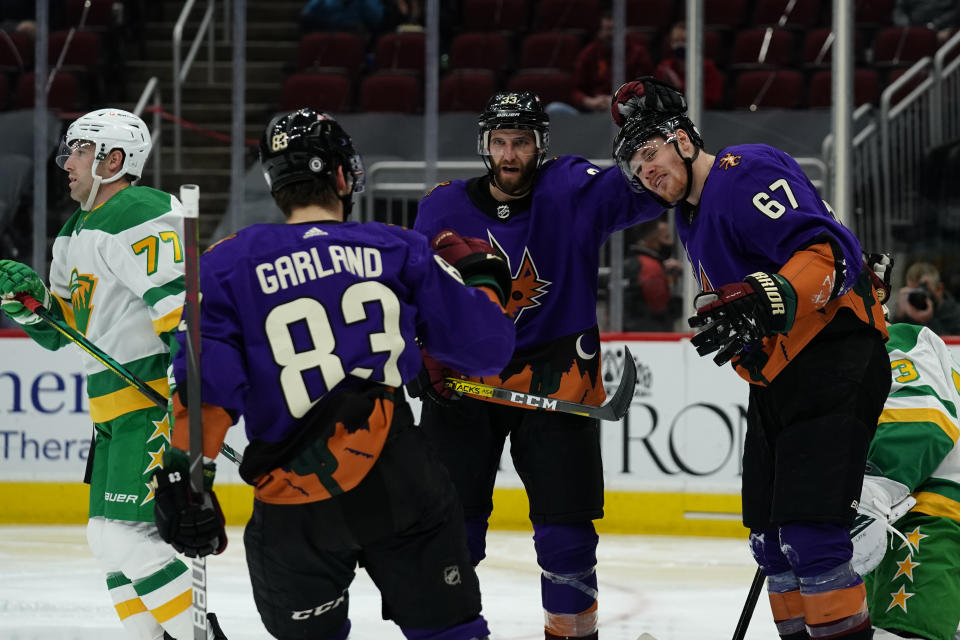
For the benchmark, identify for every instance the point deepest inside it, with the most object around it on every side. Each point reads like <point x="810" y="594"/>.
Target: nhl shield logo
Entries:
<point x="451" y="575"/>
<point x="503" y="211"/>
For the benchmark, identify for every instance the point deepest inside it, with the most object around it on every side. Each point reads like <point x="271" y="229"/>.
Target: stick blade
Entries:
<point x="619" y="404"/>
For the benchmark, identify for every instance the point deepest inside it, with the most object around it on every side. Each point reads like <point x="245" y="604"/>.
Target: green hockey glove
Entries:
<point x="16" y="277"/>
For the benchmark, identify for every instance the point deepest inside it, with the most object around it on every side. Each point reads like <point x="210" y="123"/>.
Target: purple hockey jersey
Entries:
<point x="552" y="242"/>
<point x="292" y="312"/>
<point x="757" y="209"/>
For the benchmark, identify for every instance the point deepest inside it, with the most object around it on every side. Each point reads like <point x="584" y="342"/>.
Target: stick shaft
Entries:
<point x="749" y="605"/>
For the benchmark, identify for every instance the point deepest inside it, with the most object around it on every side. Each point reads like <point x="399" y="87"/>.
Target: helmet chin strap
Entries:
<point x="688" y="163"/>
<point x="88" y="205"/>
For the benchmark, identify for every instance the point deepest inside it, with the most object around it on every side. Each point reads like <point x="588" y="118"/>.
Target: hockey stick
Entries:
<point x="190" y="197"/>
<point x="100" y="356"/>
<point x="749" y="605"/>
<point x="614" y="409"/>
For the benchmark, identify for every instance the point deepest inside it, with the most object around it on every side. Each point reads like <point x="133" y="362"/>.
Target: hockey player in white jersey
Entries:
<point x="913" y="468"/>
<point x="117" y="277"/>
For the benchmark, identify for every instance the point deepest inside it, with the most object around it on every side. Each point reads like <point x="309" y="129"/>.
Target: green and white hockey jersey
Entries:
<point x="117" y="273"/>
<point x="916" y="439"/>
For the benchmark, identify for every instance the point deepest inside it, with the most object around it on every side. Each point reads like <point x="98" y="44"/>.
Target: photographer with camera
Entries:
<point x="925" y="301"/>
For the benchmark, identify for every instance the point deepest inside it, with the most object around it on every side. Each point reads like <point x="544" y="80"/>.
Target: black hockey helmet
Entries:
<point x="308" y="145"/>
<point x="644" y="124"/>
<point x="514" y="110"/>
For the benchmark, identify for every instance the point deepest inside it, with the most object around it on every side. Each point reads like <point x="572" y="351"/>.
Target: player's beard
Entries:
<point x="516" y="184"/>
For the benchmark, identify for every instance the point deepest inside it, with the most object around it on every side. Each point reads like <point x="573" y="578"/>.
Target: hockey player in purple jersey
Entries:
<point x="785" y="299"/>
<point x="309" y="331"/>
<point x="549" y="218"/>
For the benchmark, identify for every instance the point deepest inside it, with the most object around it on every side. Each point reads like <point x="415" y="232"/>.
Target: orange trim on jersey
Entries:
<point x="494" y="298"/>
<point x="786" y="606"/>
<point x="823" y="608"/>
<point x="573" y="386"/>
<point x="130" y="607"/>
<point x="811" y="272"/>
<point x="347" y="457"/>
<point x="216" y="421"/>
<point x="572" y="625"/>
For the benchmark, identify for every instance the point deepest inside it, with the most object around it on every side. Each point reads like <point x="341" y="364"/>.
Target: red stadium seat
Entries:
<point x="16" y="52"/>
<point x="804" y="14"/>
<point x="902" y="46"/>
<point x="495" y="15"/>
<point x="866" y="88"/>
<point x="750" y="44"/>
<point x="466" y="90"/>
<point x="99" y="16"/>
<point x="384" y="91"/>
<point x="332" y="49"/>
<point x="549" y="51"/>
<point x="328" y="92"/>
<point x="910" y="85"/>
<point x="551" y="85"/>
<point x="650" y="15"/>
<point x="82" y="52"/>
<point x="781" y="89"/>
<point x="479" y="50"/>
<point x="580" y="15"/>
<point x="401" y="51"/>
<point x="63" y="94"/>
<point x="873" y="14"/>
<point x="724" y="14"/>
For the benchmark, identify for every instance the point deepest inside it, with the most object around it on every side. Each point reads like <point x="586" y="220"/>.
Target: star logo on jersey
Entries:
<point x="900" y="599"/>
<point x="161" y="429"/>
<point x="905" y="568"/>
<point x="156" y="459"/>
<point x="527" y="284"/>
<point x="82" y="286"/>
<point x="914" y="538"/>
<point x="728" y="161"/>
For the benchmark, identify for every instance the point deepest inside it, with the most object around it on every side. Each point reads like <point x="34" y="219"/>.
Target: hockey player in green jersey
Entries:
<point x="913" y="468"/>
<point x="117" y="277"/>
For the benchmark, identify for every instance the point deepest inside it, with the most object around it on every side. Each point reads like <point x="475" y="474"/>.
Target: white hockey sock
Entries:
<point x="136" y="619"/>
<point x="168" y="595"/>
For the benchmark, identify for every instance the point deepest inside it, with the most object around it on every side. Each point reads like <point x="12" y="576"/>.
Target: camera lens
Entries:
<point x="918" y="299"/>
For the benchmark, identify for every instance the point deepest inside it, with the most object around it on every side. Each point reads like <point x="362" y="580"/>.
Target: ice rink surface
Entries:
<point x="675" y="588"/>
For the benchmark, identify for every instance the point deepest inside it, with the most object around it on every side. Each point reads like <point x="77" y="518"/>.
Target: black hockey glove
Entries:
<point x="644" y="95"/>
<point x="193" y="524"/>
<point x="429" y="383"/>
<point x="738" y="316"/>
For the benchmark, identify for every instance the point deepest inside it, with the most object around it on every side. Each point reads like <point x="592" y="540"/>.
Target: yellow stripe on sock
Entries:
<point x="174" y="607"/>
<point x="130" y="607"/>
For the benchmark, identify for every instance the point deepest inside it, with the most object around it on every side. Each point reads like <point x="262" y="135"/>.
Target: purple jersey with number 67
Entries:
<point x="293" y="312"/>
<point x="757" y="209"/>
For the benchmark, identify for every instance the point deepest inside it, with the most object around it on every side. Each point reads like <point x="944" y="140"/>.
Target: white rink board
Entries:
<point x="684" y="431"/>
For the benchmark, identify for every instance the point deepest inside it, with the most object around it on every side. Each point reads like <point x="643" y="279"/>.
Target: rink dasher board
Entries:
<point x="671" y="466"/>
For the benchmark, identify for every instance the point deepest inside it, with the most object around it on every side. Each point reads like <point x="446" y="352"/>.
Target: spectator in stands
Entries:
<point x="673" y="68"/>
<point x="940" y="15"/>
<point x="651" y="272"/>
<point x="924" y="300"/>
<point x="593" y="73"/>
<point x="342" y="15"/>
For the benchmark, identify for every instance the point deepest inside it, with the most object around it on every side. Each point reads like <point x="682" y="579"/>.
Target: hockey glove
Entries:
<point x="645" y="94"/>
<point x="193" y="524"/>
<point x="479" y="265"/>
<point x="429" y="382"/>
<point x="16" y="277"/>
<point x="880" y="270"/>
<point x="737" y="317"/>
<point x="882" y="502"/>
